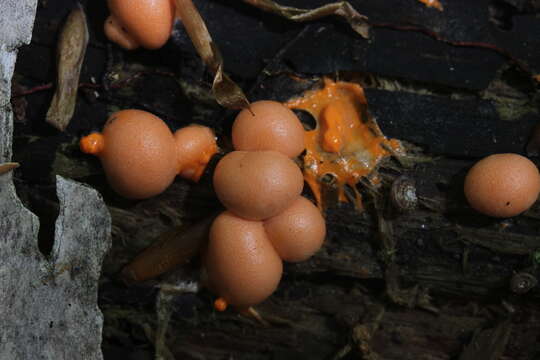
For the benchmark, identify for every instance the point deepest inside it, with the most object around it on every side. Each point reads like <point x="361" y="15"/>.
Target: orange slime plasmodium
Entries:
<point x="346" y="143"/>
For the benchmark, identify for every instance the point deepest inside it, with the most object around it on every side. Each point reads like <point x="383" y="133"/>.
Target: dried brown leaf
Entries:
<point x="225" y="90"/>
<point x="344" y="9"/>
<point x="70" y="56"/>
<point x="7" y="167"/>
<point x="173" y="248"/>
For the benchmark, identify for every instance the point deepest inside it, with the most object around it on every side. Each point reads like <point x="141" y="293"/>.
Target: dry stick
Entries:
<point x="226" y="92"/>
<point x="197" y="31"/>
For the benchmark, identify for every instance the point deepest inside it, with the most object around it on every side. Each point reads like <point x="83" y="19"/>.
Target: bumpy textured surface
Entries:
<point x="49" y="305"/>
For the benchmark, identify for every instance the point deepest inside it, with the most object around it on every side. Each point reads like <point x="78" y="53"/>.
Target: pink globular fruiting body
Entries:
<point x="267" y="221"/>
<point x="141" y="156"/>
<point x="145" y="23"/>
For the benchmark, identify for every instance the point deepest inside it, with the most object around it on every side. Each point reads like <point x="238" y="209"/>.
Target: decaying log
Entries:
<point x="435" y="285"/>
<point x="48" y="303"/>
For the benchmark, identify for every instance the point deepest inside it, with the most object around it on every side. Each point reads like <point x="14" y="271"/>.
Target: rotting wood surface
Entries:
<point x="451" y="96"/>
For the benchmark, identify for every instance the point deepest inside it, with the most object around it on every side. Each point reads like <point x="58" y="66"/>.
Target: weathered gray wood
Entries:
<point x="48" y="305"/>
<point x="16" y="22"/>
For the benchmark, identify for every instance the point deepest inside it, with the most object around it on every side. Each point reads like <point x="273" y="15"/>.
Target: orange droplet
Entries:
<point x="92" y="144"/>
<point x="220" y="304"/>
<point x="332" y="128"/>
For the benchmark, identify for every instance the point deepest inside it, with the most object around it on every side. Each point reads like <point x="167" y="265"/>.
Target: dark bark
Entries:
<point x="456" y="85"/>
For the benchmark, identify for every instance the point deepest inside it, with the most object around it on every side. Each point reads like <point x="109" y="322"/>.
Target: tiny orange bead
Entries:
<point x="220" y="304"/>
<point x="92" y="144"/>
